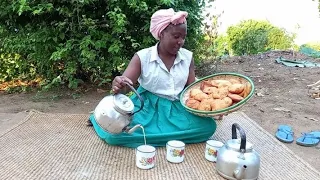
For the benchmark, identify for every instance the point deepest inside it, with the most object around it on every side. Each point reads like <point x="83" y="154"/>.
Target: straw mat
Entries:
<point x="61" y="146"/>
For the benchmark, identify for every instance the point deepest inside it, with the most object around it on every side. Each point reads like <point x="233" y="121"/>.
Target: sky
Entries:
<point x="288" y="14"/>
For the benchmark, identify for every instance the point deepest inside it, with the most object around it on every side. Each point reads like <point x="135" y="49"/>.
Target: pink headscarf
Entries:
<point x="162" y="18"/>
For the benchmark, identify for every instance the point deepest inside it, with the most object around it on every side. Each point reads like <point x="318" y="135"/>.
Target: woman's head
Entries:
<point x="172" y="38"/>
<point x="170" y="28"/>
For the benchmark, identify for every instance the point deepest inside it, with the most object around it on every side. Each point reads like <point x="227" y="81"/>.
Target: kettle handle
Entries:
<point x="243" y="141"/>
<point x="138" y="95"/>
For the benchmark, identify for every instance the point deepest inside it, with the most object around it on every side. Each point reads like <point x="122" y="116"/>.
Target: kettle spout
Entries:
<point x="131" y="130"/>
<point x="239" y="172"/>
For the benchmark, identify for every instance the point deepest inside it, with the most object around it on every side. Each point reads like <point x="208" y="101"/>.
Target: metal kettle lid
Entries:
<point x="234" y="144"/>
<point x="123" y="104"/>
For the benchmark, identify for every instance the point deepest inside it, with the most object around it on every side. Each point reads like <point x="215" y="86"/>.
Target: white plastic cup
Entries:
<point x="145" y="157"/>
<point x="175" y="151"/>
<point x="212" y="149"/>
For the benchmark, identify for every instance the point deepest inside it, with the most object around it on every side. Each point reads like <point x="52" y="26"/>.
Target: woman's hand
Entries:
<point x="118" y="83"/>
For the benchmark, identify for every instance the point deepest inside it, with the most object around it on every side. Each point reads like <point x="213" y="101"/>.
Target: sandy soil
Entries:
<point x="281" y="97"/>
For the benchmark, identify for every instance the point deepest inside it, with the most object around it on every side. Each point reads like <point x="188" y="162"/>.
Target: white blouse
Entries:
<point x="157" y="79"/>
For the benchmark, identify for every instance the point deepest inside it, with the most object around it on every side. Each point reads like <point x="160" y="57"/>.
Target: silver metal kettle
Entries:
<point x="237" y="159"/>
<point x="114" y="112"/>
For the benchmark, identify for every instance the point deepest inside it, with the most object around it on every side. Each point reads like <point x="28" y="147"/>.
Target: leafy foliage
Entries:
<point x="252" y="37"/>
<point x="211" y="44"/>
<point x="72" y="41"/>
<point x="12" y="66"/>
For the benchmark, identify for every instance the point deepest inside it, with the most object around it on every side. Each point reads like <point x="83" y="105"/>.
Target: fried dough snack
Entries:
<point x="205" y="84"/>
<point x="218" y="94"/>
<point x="220" y="83"/>
<point x="192" y="103"/>
<point x="246" y="90"/>
<point x="234" y="81"/>
<point x="235" y="97"/>
<point x="236" y="88"/>
<point x="219" y="104"/>
<point x="210" y="90"/>
<point x="194" y="92"/>
<point x="227" y="101"/>
<point x="205" y="105"/>
<point x="201" y="96"/>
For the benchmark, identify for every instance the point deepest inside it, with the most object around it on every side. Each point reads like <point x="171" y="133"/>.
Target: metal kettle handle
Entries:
<point x="138" y="95"/>
<point x="243" y="141"/>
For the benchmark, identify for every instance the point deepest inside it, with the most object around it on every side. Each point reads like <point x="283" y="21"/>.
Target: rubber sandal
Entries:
<point x="315" y="133"/>
<point x="309" y="139"/>
<point x="284" y="134"/>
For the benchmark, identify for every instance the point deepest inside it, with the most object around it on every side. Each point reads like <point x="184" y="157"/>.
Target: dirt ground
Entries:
<point x="281" y="97"/>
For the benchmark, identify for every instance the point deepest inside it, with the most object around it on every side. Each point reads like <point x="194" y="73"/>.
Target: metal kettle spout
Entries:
<point x="239" y="172"/>
<point x="131" y="130"/>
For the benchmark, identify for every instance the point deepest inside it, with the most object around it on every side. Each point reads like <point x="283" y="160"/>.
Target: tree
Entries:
<point x="252" y="37"/>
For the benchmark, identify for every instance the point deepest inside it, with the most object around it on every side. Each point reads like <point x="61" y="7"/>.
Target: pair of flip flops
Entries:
<point x="285" y="134"/>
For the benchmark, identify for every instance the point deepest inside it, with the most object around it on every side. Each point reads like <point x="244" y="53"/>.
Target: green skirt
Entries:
<point x="163" y="120"/>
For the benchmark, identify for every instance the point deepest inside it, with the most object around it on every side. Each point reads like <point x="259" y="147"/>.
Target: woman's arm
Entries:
<point x="192" y="76"/>
<point x="130" y="75"/>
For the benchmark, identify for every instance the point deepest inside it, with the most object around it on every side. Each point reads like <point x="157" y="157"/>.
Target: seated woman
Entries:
<point x="163" y="71"/>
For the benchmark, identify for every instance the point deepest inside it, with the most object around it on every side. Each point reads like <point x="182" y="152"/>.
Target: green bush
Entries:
<point x="13" y="66"/>
<point x="252" y="37"/>
<point x="71" y="41"/>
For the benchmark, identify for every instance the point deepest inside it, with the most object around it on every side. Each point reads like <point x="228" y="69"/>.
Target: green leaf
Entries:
<point x="61" y="36"/>
<point x="167" y="2"/>
<point x="37" y="11"/>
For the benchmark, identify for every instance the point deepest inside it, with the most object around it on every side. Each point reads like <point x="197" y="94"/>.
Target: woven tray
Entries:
<point x="226" y="76"/>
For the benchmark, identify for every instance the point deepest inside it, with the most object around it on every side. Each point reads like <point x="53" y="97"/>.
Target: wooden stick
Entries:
<point x="314" y="84"/>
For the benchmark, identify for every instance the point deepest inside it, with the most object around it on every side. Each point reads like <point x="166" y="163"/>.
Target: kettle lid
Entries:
<point x="234" y="144"/>
<point x="123" y="103"/>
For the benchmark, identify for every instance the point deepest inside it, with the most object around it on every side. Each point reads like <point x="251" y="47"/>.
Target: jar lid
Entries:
<point x="234" y="144"/>
<point x="123" y="103"/>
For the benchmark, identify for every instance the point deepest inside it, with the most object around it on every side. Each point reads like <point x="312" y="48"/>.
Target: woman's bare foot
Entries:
<point x="218" y="117"/>
<point x="88" y="123"/>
